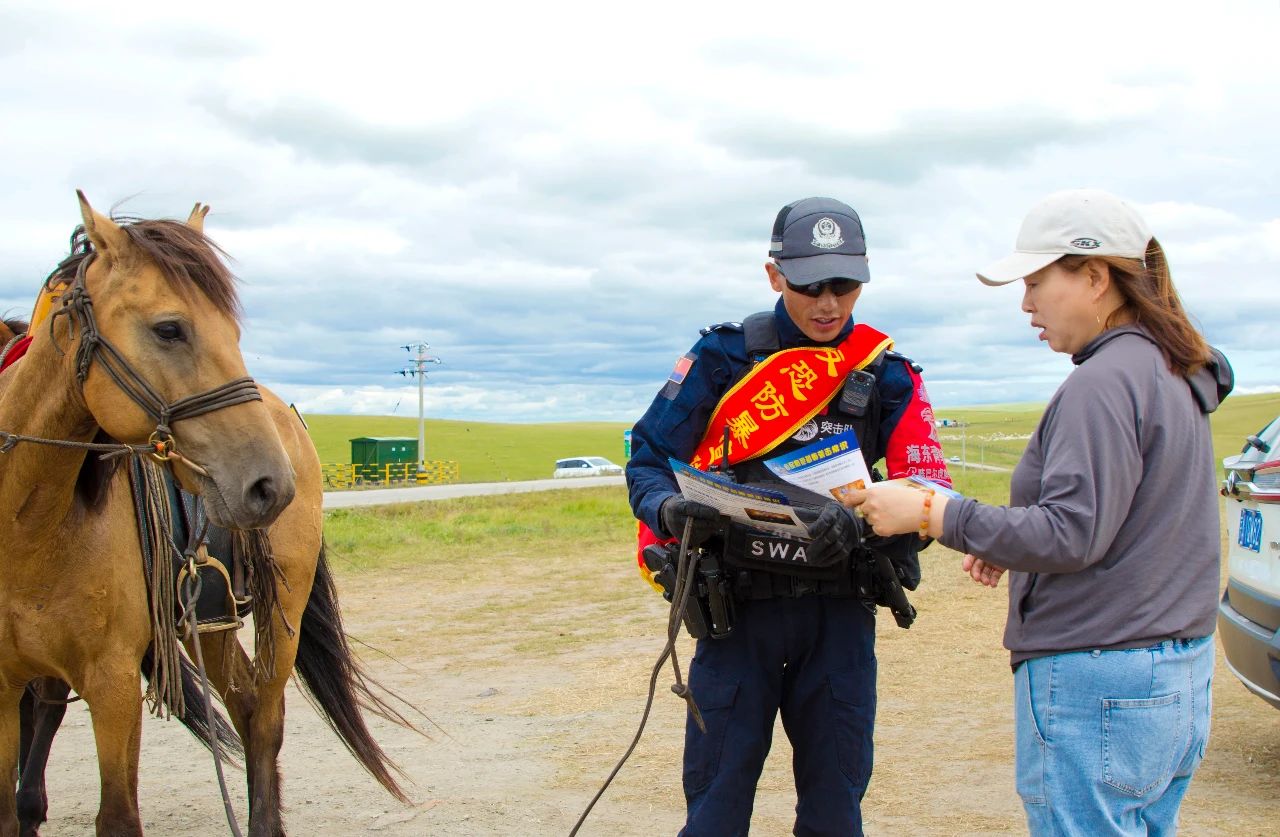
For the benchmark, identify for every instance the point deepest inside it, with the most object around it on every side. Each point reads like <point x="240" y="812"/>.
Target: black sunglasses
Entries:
<point x="839" y="287"/>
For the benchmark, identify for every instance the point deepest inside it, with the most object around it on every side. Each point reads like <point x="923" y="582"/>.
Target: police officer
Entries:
<point x="801" y="644"/>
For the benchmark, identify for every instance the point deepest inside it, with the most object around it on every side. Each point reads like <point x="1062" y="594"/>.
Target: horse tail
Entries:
<point x="337" y="684"/>
<point x="229" y="743"/>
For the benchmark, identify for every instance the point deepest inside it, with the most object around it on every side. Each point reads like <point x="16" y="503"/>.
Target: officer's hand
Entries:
<point x="835" y="534"/>
<point x="675" y="510"/>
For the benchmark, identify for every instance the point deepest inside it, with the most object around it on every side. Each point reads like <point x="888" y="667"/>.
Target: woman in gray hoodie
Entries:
<point x="1111" y="536"/>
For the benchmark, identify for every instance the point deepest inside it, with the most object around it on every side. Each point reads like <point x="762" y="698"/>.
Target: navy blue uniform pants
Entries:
<point x="813" y="659"/>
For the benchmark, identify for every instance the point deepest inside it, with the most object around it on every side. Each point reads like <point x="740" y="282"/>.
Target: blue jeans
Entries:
<point x="813" y="660"/>
<point x="1107" y="741"/>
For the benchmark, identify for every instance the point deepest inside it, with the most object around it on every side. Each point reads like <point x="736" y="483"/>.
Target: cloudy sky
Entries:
<point x="558" y="196"/>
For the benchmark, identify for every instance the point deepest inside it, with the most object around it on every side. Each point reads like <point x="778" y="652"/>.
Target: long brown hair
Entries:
<point x="1151" y="300"/>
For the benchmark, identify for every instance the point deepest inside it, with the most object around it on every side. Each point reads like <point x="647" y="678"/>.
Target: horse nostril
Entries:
<point x="262" y="495"/>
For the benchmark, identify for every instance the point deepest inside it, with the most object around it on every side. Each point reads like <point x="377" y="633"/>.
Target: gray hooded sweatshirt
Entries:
<point x="1111" y="534"/>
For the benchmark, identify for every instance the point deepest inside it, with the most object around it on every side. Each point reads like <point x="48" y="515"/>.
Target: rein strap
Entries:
<point x="76" y="301"/>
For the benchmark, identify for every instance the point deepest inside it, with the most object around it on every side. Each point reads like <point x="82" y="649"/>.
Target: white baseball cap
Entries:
<point x="1076" y="222"/>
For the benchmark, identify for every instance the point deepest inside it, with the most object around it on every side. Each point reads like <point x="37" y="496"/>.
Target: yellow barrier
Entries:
<point x="345" y="475"/>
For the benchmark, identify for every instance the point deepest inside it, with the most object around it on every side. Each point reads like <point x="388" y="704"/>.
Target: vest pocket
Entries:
<point x="1139" y="738"/>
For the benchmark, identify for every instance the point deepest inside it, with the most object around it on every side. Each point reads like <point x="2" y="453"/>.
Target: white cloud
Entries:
<point x="558" y="203"/>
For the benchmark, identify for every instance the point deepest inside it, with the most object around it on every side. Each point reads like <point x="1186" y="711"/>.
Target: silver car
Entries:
<point x="1249" y="615"/>
<point x="585" y="466"/>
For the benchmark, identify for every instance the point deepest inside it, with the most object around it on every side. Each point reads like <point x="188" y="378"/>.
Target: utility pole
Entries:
<point x="418" y="367"/>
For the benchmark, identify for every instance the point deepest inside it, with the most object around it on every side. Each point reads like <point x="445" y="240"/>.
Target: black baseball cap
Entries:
<point x="816" y="239"/>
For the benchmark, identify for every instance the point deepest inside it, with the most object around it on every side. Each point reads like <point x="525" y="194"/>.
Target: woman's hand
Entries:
<point x="981" y="571"/>
<point x="894" y="509"/>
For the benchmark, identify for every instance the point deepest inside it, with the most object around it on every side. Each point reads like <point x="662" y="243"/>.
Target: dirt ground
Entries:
<point x="530" y="721"/>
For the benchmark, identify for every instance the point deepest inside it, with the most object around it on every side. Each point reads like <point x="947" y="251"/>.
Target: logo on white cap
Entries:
<point x="826" y="234"/>
<point x="1074" y="221"/>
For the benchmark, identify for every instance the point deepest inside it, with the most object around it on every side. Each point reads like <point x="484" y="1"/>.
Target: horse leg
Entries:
<point x="257" y="711"/>
<point x="262" y="759"/>
<point x="113" y="694"/>
<point x="10" y="744"/>
<point x="43" y="708"/>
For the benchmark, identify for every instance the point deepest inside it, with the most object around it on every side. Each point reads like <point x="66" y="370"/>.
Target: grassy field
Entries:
<point x="489" y="452"/>
<point x="485" y="451"/>
<point x="521" y="621"/>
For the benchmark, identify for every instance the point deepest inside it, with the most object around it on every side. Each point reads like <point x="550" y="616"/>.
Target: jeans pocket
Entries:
<point x="1140" y="738"/>
<point x="715" y="698"/>
<point x="1029" y="743"/>
<point x="853" y="701"/>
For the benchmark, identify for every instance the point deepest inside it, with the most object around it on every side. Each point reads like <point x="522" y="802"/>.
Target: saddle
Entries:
<point x="219" y="584"/>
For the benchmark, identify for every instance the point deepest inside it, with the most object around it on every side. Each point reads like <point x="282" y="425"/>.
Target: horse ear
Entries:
<point x="196" y="219"/>
<point x="105" y="234"/>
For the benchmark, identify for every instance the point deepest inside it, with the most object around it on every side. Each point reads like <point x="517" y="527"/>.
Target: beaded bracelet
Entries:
<point x="924" y="520"/>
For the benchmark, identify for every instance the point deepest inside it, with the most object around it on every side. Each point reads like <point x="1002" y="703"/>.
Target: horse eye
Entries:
<point x="169" y="331"/>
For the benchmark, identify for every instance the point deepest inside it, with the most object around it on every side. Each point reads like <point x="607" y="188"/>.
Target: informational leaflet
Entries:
<point x="832" y="466"/>
<point x="757" y="508"/>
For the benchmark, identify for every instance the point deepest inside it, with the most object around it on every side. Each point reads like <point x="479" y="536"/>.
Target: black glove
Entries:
<point x="675" y="510"/>
<point x="835" y="534"/>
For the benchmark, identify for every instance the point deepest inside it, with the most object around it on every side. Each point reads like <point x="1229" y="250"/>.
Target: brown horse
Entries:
<point x="75" y="597"/>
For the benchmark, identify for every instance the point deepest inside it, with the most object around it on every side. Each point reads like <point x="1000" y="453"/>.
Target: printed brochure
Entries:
<point x="833" y="466"/>
<point x="757" y="508"/>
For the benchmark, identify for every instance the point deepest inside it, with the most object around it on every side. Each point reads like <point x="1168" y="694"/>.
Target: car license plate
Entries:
<point x="1250" y="535"/>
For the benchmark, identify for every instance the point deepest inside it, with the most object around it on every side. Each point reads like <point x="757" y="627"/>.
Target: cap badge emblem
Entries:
<point x="1085" y="243"/>
<point x="826" y="234"/>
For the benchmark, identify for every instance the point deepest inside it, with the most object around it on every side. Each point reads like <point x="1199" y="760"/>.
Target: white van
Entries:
<point x="1249" y="615"/>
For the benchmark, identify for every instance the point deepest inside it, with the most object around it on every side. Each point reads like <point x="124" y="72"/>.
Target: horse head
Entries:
<point x="159" y="361"/>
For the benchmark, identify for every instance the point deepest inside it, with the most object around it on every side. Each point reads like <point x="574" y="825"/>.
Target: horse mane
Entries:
<point x="15" y="327"/>
<point x="188" y="259"/>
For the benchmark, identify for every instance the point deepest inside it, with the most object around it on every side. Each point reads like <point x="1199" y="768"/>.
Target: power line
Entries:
<point x="417" y="367"/>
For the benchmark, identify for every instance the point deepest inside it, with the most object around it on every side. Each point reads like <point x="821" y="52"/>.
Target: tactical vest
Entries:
<point x="844" y="413"/>
<point x="859" y="411"/>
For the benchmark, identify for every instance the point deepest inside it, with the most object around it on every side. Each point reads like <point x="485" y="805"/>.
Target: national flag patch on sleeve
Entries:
<point x="672" y="387"/>
<point x="683" y="365"/>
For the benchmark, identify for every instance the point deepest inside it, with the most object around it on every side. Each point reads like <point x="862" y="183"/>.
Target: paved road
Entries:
<point x="977" y="467"/>
<point x="388" y="496"/>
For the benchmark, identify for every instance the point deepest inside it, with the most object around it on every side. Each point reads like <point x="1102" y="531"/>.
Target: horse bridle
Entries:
<point x="77" y="302"/>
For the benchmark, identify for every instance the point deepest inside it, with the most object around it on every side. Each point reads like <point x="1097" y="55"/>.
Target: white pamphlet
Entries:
<point x="757" y="508"/>
<point x="832" y="466"/>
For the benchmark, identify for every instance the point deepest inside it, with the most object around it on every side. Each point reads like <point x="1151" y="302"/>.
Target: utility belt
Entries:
<point x="723" y="577"/>
<point x="756" y="585"/>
